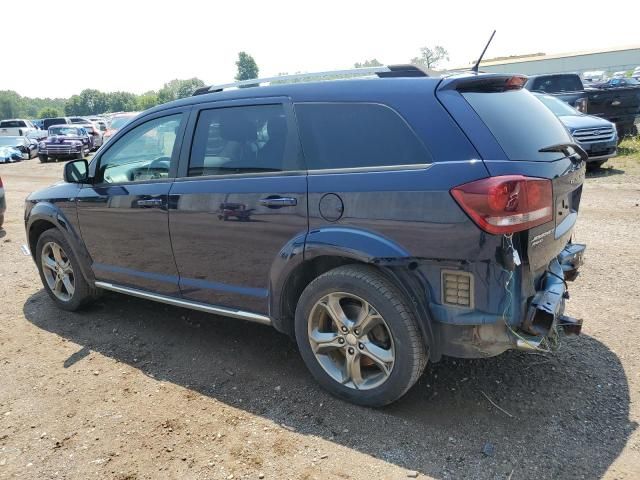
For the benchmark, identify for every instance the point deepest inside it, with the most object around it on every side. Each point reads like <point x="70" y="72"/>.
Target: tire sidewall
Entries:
<point x="396" y="385"/>
<point x="81" y="292"/>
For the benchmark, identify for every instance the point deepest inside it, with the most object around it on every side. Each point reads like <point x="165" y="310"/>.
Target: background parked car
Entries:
<point x="48" y="122"/>
<point x="65" y="142"/>
<point x="100" y="122"/>
<point x="597" y="136"/>
<point x="95" y="134"/>
<point x="9" y="154"/>
<point x="617" y="103"/>
<point x="3" y="203"/>
<point x="117" y="122"/>
<point x="21" y="127"/>
<point x="28" y="147"/>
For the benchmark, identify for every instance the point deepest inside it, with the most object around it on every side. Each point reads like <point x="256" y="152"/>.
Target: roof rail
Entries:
<point x="381" y="71"/>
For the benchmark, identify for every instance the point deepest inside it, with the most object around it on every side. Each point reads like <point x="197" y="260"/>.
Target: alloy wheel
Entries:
<point x="351" y="341"/>
<point x="58" y="271"/>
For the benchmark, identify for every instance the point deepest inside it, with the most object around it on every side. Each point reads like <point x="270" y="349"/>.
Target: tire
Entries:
<point x="80" y="155"/>
<point x="399" y="340"/>
<point x="43" y="158"/>
<point x="83" y="293"/>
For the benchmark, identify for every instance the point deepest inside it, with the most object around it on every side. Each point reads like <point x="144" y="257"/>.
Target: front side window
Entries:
<point x="248" y="139"/>
<point x="143" y="153"/>
<point x="356" y="135"/>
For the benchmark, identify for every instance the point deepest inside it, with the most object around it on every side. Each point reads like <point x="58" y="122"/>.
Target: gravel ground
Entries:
<point x="131" y="389"/>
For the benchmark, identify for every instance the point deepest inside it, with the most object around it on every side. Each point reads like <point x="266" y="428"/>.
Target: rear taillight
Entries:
<point x="581" y="105"/>
<point x="506" y="204"/>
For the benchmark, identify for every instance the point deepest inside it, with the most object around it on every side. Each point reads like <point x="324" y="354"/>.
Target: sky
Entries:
<point x="58" y="48"/>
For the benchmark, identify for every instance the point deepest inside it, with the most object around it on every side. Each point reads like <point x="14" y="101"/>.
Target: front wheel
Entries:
<point x="60" y="272"/>
<point x="359" y="336"/>
<point x="43" y="158"/>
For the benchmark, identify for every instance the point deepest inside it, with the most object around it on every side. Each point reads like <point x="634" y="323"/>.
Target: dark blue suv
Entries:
<point x="382" y="222"/>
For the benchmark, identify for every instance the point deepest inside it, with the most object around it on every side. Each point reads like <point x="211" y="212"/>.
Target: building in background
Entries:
<point x="609" y="60"/>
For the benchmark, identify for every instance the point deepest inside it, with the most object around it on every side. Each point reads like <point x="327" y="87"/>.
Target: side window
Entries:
<point x="143" y="153"/>
<point x="352" y="135"/>
<point x="236" y="140"/>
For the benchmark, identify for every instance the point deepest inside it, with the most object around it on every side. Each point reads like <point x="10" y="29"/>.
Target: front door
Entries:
<point x="241" y="201"/>
<point x="123" y="215"/>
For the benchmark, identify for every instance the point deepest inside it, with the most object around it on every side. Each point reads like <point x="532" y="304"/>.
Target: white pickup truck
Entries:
<point x="18" y="127"/>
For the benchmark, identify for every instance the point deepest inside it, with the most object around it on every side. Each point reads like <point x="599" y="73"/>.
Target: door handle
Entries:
<point x="278" y="202"/>
<point x="149" y="202"/>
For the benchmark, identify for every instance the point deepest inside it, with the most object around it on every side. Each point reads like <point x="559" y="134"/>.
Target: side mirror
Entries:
<point x="76" y="171"/>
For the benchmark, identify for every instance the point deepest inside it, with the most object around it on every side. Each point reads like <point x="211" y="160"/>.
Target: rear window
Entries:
<point x="352" y="135"/>
<point x="54" y="121"/>
<point x="558" y="83"/>
<point x="521" y="124"/>
<point x="12" y="124"/>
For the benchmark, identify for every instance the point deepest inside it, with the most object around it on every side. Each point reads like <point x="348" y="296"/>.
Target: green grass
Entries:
<point x="628" y="158"/>
<point x="630" y="147"/>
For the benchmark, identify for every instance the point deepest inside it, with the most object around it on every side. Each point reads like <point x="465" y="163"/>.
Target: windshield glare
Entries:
<point x="558" y="107"/>
<point x="120" y="122"/>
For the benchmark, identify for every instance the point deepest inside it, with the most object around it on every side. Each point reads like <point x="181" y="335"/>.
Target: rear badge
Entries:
<point x="538" y="238"/>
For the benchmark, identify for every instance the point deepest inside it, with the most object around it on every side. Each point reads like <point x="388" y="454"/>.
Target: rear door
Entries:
<point x="240" y="202"/>
<point x="510" y="127"/>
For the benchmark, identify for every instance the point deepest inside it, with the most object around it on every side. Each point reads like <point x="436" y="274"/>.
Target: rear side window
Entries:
<point x="246" y="139"/>
<point x="355" y="135"/>
<point x="521" y="123"/>
<point x="558" y="83"/>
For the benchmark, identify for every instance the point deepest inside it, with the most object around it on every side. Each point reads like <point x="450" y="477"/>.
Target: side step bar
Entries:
<point x="180" y="302"/>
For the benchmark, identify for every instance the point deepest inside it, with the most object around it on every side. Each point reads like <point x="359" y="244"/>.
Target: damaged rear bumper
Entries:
<point x="543" y="316"/>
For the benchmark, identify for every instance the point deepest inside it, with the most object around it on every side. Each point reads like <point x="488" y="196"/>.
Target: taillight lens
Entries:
<point x="506" y="204"/>
<point x="581" y="105"/>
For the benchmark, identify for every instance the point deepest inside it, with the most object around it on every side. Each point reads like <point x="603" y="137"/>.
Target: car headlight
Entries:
<point x="42" y="145"/>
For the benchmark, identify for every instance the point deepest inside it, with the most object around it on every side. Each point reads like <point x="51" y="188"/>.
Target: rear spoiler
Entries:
<point x="483" y="83"/>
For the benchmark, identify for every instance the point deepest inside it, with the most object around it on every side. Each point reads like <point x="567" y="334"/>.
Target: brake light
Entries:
<point x="515" y="83"/>
<point x="506" y="204"/>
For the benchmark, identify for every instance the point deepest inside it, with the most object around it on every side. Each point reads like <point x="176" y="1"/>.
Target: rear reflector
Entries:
<point x="457" y="288"/>
<point x="506" y="204"/>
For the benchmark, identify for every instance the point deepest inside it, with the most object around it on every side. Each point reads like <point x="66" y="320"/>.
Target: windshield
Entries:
<point x="560" y="108"/>
<point x="119" y="122"/>
<point x="63" y="131"/>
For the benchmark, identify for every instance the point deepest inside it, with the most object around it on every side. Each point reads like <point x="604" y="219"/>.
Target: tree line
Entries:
<point x="92" y="101"/>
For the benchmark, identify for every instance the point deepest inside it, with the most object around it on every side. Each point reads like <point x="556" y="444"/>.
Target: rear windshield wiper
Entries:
<point x="571" y="150"/>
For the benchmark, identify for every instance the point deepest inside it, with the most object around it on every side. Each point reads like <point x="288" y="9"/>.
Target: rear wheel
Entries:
<point x="359" y="336"/>
<point x="60" y="272"/>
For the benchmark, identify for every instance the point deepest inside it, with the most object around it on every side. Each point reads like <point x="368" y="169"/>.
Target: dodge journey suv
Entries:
<point x="382" y="222"/>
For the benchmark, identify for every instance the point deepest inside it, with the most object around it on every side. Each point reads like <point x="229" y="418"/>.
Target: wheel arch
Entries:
<point x="45" y="216"/>
<point x="327" y="249"/>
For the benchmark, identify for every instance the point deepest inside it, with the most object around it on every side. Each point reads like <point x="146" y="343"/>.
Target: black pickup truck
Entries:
<point x="617" y="103"/>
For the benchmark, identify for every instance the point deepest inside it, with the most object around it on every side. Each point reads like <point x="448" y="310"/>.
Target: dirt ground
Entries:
<point x="131" y="389"/>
